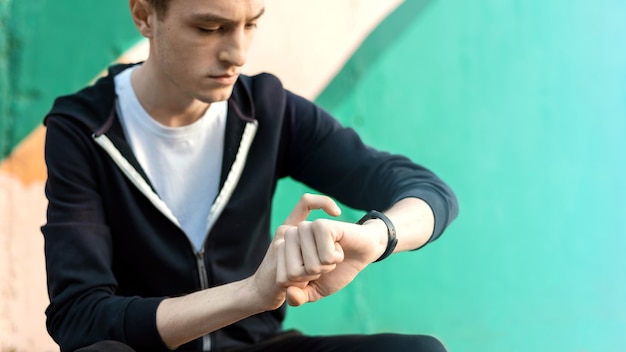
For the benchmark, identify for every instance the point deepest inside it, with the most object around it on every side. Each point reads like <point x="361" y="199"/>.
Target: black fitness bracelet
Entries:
<point x="391" y="231"/>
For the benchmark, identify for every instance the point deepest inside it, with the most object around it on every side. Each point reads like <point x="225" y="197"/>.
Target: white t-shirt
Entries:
<point x="183" y="163"/>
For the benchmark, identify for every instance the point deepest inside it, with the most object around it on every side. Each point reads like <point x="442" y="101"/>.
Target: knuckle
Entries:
<point x="304" y="230"/>
<point x="304" y="226"/>
<point x="319" y="225"/>
<point x="281" y="281"/>
<point x="293" y="275"/>
<point x="327" y="259"/>
<point x="276" y="244"/>
<point x="292" y="235"/>
<point x="288" y="235"/>
<point x="313" y="270"/>
<point x="284" y="228"/>
<point x="281" y="230"/>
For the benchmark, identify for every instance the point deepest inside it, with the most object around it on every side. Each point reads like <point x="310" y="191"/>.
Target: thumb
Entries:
<point x="296" y="296"/>
<point x="309" y="202"/>
<point x="280" y="232"/>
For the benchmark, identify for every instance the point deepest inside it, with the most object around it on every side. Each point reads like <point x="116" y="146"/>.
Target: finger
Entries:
<point x="309" y="202"/>
<point x="293" y="256"/>
<point x="296" y="296"/>
<point x="282" y="278"/>
<point x="327" y="237"/>
<point x="280" y="232"/>
<point x="310" y="252"/>
<point x="339" y="253"/>
<point x="281" y="272"/>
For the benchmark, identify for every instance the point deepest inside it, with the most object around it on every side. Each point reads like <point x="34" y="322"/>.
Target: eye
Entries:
<point x="209" y="30"/>
<point x="252" y="25"/>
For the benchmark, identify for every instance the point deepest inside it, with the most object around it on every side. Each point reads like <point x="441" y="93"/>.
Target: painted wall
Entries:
<point x="519" y="105"/>
<point x="47" y="48"/>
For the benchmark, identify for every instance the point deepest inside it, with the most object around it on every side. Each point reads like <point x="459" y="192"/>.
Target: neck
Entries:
<point x="163" y="102"/>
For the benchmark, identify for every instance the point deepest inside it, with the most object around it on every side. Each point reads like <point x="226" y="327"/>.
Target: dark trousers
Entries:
<point x="292" y="341"/>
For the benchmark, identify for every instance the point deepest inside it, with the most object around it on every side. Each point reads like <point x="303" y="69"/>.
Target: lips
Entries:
<point x="227" y="78"/>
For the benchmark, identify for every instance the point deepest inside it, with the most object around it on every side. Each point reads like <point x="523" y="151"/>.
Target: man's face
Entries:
<point x="199" y="46"/>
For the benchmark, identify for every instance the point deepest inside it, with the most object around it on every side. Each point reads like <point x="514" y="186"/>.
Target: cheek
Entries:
<point x="195" y="53"/>
<point x="186" y="55"/>
<point x="183" y="57"/>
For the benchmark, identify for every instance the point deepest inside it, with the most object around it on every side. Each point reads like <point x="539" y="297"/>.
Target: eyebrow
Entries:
<point x="209" y="17"/>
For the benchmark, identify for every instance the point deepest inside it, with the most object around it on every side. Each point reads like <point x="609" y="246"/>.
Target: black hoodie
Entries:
<point x="114" y="252"/>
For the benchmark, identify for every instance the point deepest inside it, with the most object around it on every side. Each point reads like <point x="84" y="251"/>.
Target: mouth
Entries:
<point x="226" y="78"/>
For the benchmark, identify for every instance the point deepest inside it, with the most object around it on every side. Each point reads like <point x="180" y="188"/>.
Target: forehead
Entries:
<point x="233" y="10"/>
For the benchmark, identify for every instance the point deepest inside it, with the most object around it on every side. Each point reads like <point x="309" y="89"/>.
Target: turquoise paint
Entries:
<point x="521" y="107"/>
<point x="375" y="45"/>
<point x="5" y="90"/>
<point x="56" y="49"/>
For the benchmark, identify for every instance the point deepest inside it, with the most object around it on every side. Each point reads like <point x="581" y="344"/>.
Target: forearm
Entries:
<point x="413" y="220"/>
<point x="182" y="319"/>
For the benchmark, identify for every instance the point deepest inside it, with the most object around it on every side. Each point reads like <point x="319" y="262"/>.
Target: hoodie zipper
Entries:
<point x="216" y="209"/>
<point x="204" y="283"/>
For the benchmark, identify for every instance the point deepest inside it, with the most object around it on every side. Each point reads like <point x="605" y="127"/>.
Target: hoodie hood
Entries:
<point x="94" y="105"/>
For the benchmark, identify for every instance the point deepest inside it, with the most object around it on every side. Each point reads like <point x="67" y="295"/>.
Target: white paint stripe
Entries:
<point x="305" y="52"/>
<point x="306" y="43"/>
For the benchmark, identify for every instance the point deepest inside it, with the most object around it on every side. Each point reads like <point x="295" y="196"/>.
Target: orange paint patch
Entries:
<point x="23" y="295"/>
<point x="26" y="163"/>
<point x="303" y="54"/>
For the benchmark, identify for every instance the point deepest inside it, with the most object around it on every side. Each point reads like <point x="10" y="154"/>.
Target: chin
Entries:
<point x="215" y="95"/>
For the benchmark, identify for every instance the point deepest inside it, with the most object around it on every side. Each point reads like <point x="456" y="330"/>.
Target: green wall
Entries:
<point x="50" y="48"/>
<point x="520" y="105"/>
<point x="4" y="74"/>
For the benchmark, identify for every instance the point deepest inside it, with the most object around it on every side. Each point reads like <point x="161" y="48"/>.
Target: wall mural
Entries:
<point x="519" y="105"/>
<point x="22" y="172"/>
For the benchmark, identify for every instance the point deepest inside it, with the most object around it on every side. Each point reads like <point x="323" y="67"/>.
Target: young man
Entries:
<point x="161" y="178"/>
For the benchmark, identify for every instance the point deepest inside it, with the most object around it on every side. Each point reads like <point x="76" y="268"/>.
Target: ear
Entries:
<point x="143" y="15"/>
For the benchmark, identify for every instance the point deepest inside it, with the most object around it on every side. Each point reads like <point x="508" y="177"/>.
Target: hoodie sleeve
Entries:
<point x="84" y="307"/>
<point x="333" y="160"/>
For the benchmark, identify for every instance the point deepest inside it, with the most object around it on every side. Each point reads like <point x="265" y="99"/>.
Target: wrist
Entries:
<point x="377" y="230"/>
<point x="392" y="240"/>
<point x="256" y="297"/>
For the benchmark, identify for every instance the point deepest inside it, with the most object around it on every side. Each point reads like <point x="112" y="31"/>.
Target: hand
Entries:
<point x="264" y="281"/>
<point x="321" y="257"/>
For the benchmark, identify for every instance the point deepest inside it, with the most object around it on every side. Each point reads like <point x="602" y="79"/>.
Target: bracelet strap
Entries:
<point x="392" y="241"/>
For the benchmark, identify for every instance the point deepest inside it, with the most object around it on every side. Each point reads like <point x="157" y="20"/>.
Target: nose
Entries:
<point x="235" y="48"/>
